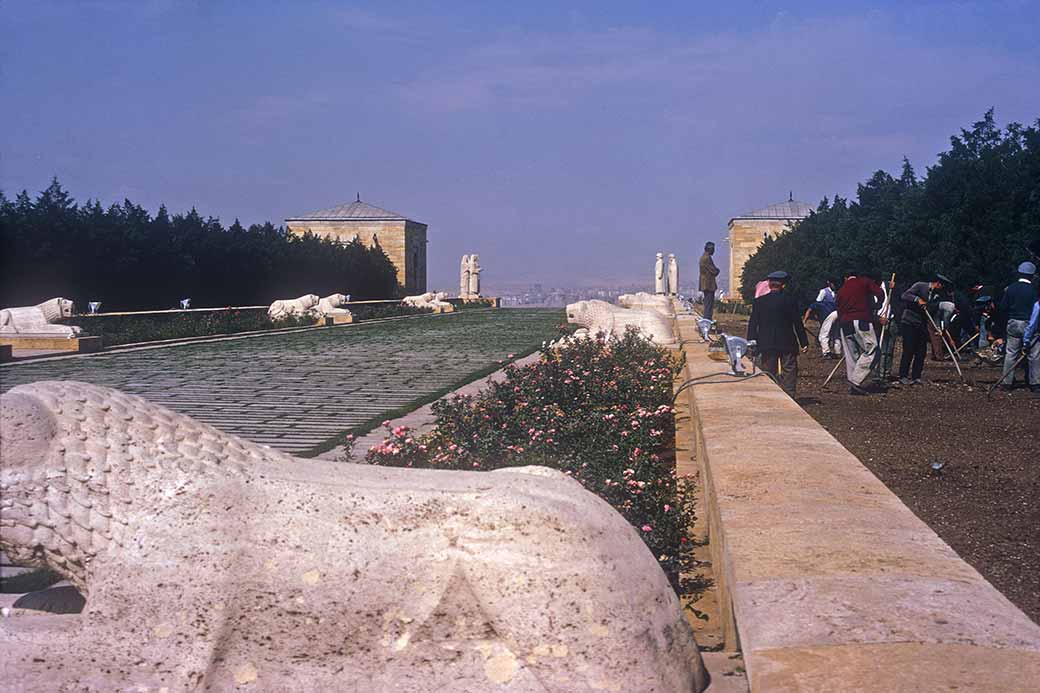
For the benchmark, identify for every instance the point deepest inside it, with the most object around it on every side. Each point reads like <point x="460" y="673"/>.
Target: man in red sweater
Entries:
<point x="858" y="300"/>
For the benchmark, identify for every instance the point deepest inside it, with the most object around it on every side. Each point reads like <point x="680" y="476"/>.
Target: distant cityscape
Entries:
<point x="554" y="296"/>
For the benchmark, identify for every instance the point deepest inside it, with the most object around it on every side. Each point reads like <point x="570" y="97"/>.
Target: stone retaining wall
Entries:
<point x="826" y="580"/>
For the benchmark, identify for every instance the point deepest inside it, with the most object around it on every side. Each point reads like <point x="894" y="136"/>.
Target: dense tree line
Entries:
<point x="130" y="260"/>
<point x="973" y="217"/>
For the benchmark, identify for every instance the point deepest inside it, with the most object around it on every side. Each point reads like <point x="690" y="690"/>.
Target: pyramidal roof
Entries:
<point x="789" y="209"/>
<point x="351" y="211"/>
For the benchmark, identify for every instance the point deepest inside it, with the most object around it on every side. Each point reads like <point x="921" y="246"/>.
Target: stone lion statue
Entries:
<point x="646" y="301"/>
<point x="40" y="319"/>
<point x="333" y="305"/>
<point x="429" y="299"/>
<point x="600" y="316"/>
<point x="208" y="562"/>
<point x="304" y="305"/>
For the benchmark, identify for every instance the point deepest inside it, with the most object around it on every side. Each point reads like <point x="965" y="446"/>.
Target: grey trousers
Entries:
<point x="1015" y="330"/>
<point x="860" y="346"/>
<point x="709" y="303"/>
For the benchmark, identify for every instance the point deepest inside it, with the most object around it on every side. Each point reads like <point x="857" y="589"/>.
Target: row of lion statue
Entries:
<point x="652" y="315"/>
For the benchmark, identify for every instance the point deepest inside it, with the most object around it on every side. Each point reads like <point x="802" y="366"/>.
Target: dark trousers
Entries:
<point x="783" y="366"/>
<point x="709" y="303"/>
<point x="915" y="347"/>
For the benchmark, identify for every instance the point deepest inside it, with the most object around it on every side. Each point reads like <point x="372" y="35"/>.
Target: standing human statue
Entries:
<point x="660" y="280"/>
<point x="464" y="277"/>
<point x="474" y="276"/>
<point x="708" y="285"/>
<point x="673" y="276"/>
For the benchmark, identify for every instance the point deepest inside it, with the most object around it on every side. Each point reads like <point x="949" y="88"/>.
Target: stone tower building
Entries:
<point x="746" y="233"/>
<point x="402" y="239"/>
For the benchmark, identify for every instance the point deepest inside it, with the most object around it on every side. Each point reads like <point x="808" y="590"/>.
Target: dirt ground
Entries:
<point x="985" y="502"/>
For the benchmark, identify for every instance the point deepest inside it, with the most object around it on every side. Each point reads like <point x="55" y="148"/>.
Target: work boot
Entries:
<point x="857" y="390"/>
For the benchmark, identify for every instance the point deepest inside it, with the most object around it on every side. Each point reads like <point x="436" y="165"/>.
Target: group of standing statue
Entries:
<point x="469" y="277"/>
<point x="666" y="279"/>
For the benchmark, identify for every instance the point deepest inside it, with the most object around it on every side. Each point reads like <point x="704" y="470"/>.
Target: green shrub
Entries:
<point x="129" y="329"/>
<point x="600" y="410"/>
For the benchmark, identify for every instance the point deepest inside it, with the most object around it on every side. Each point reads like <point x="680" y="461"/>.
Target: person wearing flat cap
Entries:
<point x="777" y="329"/>
<point x="1017" y="306"/>
<point x="913" y="326"/>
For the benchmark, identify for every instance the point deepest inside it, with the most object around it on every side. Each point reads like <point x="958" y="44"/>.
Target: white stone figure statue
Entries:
<point x="464" y="277"/>
<point x="430" y="299"/>
<point x="645" y="301"/>
<point x="474" y="276"/>
<point x="304" y="305"/>
<point x="660" y="278"/>
<point x="39" y="320"/>
<point x="213" y="563"/>
<point x="673" y="276"/>
<point x="600" y="316"/>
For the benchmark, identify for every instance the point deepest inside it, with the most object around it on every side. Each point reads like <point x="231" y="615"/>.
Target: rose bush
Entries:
<point x="600" y="410"/>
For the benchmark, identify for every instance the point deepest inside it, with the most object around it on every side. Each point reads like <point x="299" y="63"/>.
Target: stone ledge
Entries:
<point x="826" y="580"/>
<point x="80" y="345"/>
<point x="904" y="666"/>
<point x="330" y="320"/>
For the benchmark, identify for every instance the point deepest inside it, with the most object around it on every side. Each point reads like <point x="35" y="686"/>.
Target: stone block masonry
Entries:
<point x="826" y="581"/>
<point x="293" y="391"/>
<point x="403" y="241"/>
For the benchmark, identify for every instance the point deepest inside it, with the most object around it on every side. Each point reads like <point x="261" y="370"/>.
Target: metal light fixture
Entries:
<point x="93" y="306"/>
<point x="185" y="303"/>
<point x="704" y="326"/>
<point x="736" y="349"/>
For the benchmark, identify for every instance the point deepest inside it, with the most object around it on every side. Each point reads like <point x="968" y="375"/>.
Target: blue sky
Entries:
<point x="565" y="143"/>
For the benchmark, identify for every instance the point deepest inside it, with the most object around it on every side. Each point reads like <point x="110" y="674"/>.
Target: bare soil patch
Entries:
<point x="985" y="501"/>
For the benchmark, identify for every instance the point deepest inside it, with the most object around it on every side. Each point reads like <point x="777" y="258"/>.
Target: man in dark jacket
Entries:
<point x="858" y="301"/>
<point x="913" y="326"/>
<point x="1017" y="307"/>
<point x="708" y="284"/>
<point x="777" y="329"/>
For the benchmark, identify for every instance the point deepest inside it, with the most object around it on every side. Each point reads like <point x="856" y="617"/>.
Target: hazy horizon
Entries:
<point x="565" y="145"/>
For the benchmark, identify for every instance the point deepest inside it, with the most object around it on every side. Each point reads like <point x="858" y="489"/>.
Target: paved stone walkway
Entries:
<point x="295" y="391"/>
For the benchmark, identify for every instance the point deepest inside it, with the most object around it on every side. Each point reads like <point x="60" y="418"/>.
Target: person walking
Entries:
<point x="1017" y="306"/>
<point x="777" y="330"/>
<point x="913" y="327"/>
<point x="858" y="299"/>
<point x="708" y="284"/>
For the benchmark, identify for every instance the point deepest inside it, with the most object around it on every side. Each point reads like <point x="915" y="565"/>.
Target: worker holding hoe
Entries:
<point x="858" y="299"/>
